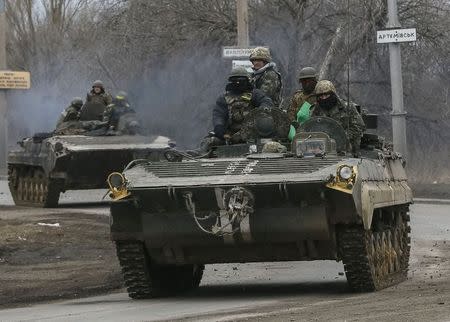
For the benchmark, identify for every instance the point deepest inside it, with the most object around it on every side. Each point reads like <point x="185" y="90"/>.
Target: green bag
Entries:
<point x="303" y="115"/>
<point x="291" y="133"/>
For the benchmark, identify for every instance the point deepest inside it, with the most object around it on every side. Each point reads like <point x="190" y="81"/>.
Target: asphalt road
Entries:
<point x="294" y="291"/>
<point x="69" y="199"/>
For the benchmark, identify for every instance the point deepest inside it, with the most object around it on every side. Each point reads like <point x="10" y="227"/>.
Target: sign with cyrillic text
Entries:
<point x="236" y="52"/>
<point x="396" y="35"/>
<point x="14" y="80"/>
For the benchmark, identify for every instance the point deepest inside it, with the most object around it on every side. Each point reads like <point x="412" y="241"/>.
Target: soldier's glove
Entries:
<point x="219" y="131"/>
<point x="295" y="124"/>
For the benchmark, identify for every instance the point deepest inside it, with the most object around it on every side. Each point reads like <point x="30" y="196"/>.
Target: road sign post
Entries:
<point x="231" y="52"/>
<point x="239" y="56"/>
<point x="394" y="36"/>
<point x="242" y="23"/>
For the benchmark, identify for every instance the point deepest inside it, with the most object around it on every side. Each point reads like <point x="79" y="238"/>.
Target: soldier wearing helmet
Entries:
<point x="71" y="113"/>
<point x="265" y="74"/>
<point x="98" y="94"/>
<point x="330" y="105"/>
<point x="232" y="107"/>
<point x="116" y="110"/>
<point x="303" y="99"/>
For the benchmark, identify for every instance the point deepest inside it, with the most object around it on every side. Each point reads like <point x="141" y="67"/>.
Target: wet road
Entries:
<point x="291" y="291"/>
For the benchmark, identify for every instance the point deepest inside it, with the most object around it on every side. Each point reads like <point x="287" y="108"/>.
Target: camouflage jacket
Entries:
<point x="268" y="79"/>
<point x="103" y="98"/>
<point x="297" y="101"/>
<point x="70" y="113"/>
<point x="231" y="109"/>
<point x="348" y="117"/>
<point x="113" y="112"/>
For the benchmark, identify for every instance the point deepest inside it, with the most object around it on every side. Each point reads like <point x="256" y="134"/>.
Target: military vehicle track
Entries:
<point x="144" y="279"/>
<point x="374" y="260"/>
<point x="30" y="186"/>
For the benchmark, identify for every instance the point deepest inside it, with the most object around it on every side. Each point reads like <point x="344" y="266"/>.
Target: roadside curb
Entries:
<point x="432" y="201"/>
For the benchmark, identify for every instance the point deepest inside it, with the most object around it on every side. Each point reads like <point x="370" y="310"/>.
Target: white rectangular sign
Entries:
<point x="396" y="35"/>
<point x="236" y="52"/>
<point x="14" y="80"/>
<point x="247" y="64"/>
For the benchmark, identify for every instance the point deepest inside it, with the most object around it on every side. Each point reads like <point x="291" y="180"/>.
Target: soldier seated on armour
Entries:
<point x="120" y="116"/>
<point x="308" y="80"/>
<point x="233" y="106"/>
<point x="265" y="75"/>
<point x="96" y="101"/>
<point x="71" y="113"/>
<point x="330" y="105"/>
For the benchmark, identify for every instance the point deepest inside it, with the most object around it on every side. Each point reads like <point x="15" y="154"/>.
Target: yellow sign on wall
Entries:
<point x="14" y="80"/>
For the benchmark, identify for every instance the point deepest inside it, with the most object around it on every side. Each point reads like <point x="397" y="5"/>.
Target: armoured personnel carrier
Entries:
<point x="50" y="163"/>
<point x="264" y="200"/>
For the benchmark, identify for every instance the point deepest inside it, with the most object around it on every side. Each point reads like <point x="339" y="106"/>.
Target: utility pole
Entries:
<point x="395" y="61"/>
<point x="3" y="106"/>
<point x="242" y="23"/>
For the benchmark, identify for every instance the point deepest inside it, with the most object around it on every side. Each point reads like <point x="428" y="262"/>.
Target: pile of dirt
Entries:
<point x="50" y="256"/>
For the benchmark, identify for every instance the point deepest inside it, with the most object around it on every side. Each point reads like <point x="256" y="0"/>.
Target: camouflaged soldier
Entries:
<point x="298" y="111"/>
<point x="98" y="94"/>
<point x="71" y="113"/>
<point x="329" y="104"/>
<point x="265" y="76"/>
<point x="116" y="110"/>
<point x="232" y="107"/>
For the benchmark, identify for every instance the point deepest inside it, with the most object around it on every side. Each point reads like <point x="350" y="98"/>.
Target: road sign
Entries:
<point x="396" y="35"/>
<point x="247" y="64"/>
<point x="236" y="52"/>
<point x="14" y="80"/>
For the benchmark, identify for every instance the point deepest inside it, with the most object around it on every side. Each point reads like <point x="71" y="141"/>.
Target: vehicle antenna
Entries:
<point x="348" y="58"/>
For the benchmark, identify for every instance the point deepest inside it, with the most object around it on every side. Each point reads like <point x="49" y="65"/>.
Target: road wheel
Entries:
<point x="145" y="279"/>
<point x="48" y="190"/>
<point x="377" y="258"/>
<point x="30" y="187"/>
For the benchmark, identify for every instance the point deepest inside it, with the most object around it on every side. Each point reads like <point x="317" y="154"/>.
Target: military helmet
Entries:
<point x="98" y="83"/>
<point x="324" y="87"/>
<point x="239" y="72"/>
<point x="307" y="72"/>
<point x="77" y="102"/>
<point x="274" y="147"/>
<point x="261" y="53"/>
<point x="122" y="96"/>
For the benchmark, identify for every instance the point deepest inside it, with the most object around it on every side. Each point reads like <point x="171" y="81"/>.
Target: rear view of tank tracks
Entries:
<point x="30" y="186"/>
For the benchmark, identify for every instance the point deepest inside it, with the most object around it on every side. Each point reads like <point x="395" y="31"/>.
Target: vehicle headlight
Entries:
<point x="345" y="172"/>
<point x="117" y="186"/>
